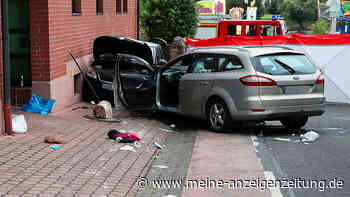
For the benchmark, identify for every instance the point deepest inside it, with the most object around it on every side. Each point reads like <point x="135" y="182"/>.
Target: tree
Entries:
<point x="322" y="26"/>
<point x="167" y="19"/>
<point x="299" y="13"/>
<point x="272" y="6"/>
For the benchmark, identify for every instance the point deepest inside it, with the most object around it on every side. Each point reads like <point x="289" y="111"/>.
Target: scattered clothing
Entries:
<point x="123" y="137"/>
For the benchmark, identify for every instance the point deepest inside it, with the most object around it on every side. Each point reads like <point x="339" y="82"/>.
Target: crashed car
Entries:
<point x="223" y="84"/>
<point x="105" y="49"/>
<point x="226" y="84"/>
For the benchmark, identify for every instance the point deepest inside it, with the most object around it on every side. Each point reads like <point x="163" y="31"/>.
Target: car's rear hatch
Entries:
<point x="288" y="80"/>
<point x="105" y="47"/>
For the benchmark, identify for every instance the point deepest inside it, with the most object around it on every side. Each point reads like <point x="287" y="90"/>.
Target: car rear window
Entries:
<point x="284" y="64"/>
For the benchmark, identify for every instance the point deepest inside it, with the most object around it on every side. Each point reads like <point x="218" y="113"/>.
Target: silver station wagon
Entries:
<point x="225" y="85"/>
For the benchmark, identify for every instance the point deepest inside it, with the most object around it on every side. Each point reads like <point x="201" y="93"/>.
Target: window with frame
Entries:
<point x="76" y="7"/>
<point x="269" y="30"/>
<point x="99" y="6"/>
<point x="125" y="6"/>
<point x="119" y="6"/>
<point x="234" y="30"/>
<point x="203" y="64"/>
<point x="228" y="62"/>
<point x="251" y="30"/>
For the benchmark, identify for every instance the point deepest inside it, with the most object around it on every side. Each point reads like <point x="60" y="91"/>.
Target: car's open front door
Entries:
<point x="136" y="84"/>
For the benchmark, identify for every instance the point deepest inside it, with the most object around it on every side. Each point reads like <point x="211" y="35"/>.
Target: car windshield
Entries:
<point x="284" y="64"/>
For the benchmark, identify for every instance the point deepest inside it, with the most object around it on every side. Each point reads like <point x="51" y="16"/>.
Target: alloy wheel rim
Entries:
<point x="217" y="116"/>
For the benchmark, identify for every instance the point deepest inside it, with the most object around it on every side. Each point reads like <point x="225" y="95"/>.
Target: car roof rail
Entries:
<point x="268" y="46"/>
<point x="193" y="49"/>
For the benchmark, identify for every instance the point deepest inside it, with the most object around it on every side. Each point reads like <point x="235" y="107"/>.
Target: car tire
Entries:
<point x="294" y="122"/>
<point x="218" y="115"/>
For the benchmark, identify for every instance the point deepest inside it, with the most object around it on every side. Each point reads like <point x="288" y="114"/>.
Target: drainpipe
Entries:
<point x="138" y="19"/>
<point x="6" y="66"/>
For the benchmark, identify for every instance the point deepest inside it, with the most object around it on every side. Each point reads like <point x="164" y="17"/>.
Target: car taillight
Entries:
<point x="257" y="80"/>
<point x="320" y="79"/>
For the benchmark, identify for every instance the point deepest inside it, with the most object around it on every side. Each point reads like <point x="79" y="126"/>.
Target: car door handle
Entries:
<point x="139" y="86"/>
<point x="145" y="78"/>
<point x="204" y="83"/>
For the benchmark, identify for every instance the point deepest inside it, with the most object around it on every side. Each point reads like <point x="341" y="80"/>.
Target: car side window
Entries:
<point x="181" y="66"/>
<point x="229" y="62"/>
<point x="251" y="30"/>
<point x="203" y="64"/>
<point x="234" y="30"/>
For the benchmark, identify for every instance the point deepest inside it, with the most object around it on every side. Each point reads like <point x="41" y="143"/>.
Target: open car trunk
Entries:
<point x="106" y="47"/>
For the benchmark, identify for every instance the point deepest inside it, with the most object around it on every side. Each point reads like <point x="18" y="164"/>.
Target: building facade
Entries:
<point x="41" y="33"/>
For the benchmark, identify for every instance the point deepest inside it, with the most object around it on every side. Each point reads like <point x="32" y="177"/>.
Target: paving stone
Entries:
<point x="88" y="164"/>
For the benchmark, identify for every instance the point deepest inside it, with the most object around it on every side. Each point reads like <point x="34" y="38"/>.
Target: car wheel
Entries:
<point x="294" y="122"/>
<point x="218" y="115"/>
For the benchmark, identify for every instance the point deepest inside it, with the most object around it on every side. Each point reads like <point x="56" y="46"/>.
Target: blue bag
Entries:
<point x="38" y="105"/>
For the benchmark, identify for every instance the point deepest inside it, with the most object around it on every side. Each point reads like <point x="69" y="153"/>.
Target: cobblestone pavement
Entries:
<point x="88" y="164"/>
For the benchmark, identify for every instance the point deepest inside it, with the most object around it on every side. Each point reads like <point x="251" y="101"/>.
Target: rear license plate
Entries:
<point x="296" y="89"/>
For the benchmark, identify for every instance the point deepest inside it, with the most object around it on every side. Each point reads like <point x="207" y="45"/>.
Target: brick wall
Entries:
<point x="39" y="40"/>
<point x="77" y="33"/>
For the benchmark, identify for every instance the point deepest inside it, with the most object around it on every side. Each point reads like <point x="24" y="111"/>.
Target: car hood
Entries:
<point x="118" y="44"/>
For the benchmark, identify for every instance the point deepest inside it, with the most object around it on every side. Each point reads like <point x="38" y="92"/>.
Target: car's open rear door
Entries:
<point x="136" y="84"/>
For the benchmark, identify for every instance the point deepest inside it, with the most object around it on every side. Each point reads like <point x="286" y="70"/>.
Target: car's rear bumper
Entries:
<point x="277" y="113"/>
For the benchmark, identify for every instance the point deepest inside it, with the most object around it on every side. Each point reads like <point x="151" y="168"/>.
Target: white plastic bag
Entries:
<point x="309" y="136"/>
<point x="19" y="124"/>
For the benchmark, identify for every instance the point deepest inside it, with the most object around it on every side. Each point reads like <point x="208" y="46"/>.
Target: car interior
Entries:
<point x="170" y="80"/>
<point x="170" y="77"/>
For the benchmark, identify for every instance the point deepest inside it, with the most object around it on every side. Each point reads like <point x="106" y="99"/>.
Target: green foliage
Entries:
<point x="234" y="3"/>
<point x="167" y="19"/>
<point x="299" y="13"/>
<point x="261" y="9"/>
<point x="272" y="6"/>
<point x="322" y="26"/>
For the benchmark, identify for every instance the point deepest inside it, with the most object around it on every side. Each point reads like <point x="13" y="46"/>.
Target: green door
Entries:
<point x="19" y="42"/>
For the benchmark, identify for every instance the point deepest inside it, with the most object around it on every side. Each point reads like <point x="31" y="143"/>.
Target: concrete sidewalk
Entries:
<point x="88" y="164"/>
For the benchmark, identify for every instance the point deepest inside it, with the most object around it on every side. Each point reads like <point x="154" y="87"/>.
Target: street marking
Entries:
<point x="275" y="191"/>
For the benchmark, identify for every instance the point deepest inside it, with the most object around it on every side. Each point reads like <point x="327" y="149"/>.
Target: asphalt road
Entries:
<point x="320" y="162"/>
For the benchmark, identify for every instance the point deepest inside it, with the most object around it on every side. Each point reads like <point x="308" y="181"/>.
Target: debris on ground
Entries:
<point x="19" y="123"/>
<point x="137" y="144"/>
<point x="168" y="130"/>
<point x="80" y="107"/>
<point x="161" y="166"/>
<point x="93" y="102"/>
<point x="52" y="140"/>
<point x="156" y="144"/>
<point x="93" y="117"/>
<point x="309" y="136"/>
<point x="127" y="148"/>
<point x="55" y="146"/>
<point x="103" y="110"/>
<point x="37" y="104"/>
<point x="282" y="139"/>
<point x="121" y="137"/>
<point x="173" y="126"/>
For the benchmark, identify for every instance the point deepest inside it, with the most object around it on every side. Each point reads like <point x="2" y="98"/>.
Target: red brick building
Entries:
<point x="41" y="33"/>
